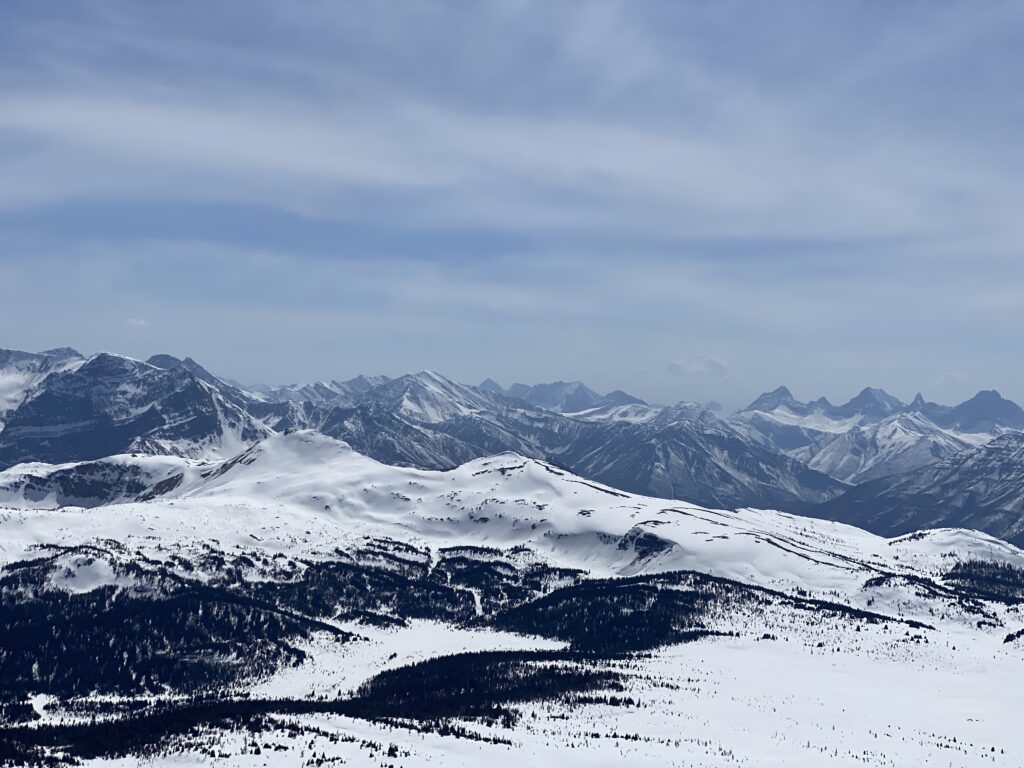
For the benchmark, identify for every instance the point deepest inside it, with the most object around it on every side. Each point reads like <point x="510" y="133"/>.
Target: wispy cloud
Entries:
<point x="726" y="152"/>
<point x="821" y="193"/>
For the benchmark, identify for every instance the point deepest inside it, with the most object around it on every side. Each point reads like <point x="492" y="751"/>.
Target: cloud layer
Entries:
<point x="826" y="195"/>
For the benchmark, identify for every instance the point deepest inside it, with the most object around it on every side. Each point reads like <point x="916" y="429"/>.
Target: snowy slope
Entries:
<point x="528" y="502"/>
<point x="685" y="451"/>
<point x="874" y="435"/>
<point x="90" y="483"/>
<point x="282" y="486"/>
<point x="111" y="404"/>
<point x="428" y="397"/>
<point x="323" y="392"/>
<point x="21" y="371"/>
<point x="563" y="396"/>
<point x="897" y="444"/>
<point x="982" y="487"/>
<point x="633" y="413"/>
<point x="812" y="642"/>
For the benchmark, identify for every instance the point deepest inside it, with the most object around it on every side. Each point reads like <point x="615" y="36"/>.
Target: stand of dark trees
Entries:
<point x="203" y="640"/>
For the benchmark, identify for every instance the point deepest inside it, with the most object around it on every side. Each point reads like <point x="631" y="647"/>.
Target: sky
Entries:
<point x="686" y="200"/>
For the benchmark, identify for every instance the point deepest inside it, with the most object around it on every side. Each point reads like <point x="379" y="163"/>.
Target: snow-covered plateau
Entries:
<point x="302" y="604"/>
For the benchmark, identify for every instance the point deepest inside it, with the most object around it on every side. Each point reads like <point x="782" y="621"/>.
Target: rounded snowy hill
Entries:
<point x="307" y="494"/>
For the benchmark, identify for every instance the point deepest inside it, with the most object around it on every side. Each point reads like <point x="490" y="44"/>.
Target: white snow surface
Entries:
<point x="897" y="444"/>
<point x="13" y="481"/>
<point x="306" y="494"/>
<point x="19" y="377"/>
<point x="857" y="449"/>
<point x="631" y="413"/>
<point x="816" y="419"/>
<point x="816" y="695"/>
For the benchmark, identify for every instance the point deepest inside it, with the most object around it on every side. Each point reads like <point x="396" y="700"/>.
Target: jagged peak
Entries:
<point x="62" y="353"/>
<point x="109" y="359"/>
<point x="172" y="363"/>
<point x="876" y="393"/>
<point x="987" y="395"/>
<point x="428" y="376"/>
<point x="991" y="407"/>
<point x="621" y="397"/>
<point x="769" y="401"/>
<point x="164" y="360"/>
<point x="490" y="385"/>
<point x="870" y="396"/>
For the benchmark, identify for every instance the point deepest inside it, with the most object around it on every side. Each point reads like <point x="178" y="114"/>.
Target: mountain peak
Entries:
<point x="165" y="361"/>
<point x="428" y="376"/>
<point x="172" y="363"/>
<point x="490" y="385"/>
<point x="560" y="396"/>
<point x="987" y="410"/>
<point x="769" y="401"/>
<point x="875" y="393"/>
<point x="113" y="362"/>
<point x="874" y="402"/>
<point x="618" y="397"/>
<point x="62" y="353"/>
<point x="987" y="396"/>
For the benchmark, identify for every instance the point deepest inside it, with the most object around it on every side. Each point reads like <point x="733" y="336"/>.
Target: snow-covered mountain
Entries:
<point x="428" y="421"/>
<point x="21" y="371"/>
<point x="428" y="397"/>
<point x="692" y="454"/>
<point x="322" y="392"/>
<point x="778" y="452"/>
<point x="987" y="412"/>
<point x="979" y="488"/>
<point x="91" y="483"/>
<point x="874" y="434"/>
<point x="633" y="413"/>
<point x="300" y="602"/>
<point x="563" y="396"/>
<point x="685" y="452"/>
<point x="509" y="501"/>
<point x="109" y="404"/>
<point x="233" y="393"/>
<point x="898" y="443"/>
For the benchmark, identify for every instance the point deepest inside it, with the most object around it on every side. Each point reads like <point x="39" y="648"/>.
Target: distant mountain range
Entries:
<point x="108" y="404"/>
<point x="980" y="488"/>
<point x="875" y="435"/>
<point x="875" y="461"/>
<point x="563" y="396"/>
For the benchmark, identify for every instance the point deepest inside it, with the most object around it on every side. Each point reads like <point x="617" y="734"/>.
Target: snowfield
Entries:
<point x="813" y="643"/>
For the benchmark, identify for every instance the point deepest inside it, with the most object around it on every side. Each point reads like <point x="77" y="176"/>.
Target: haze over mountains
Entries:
<point x="890" y="466"/>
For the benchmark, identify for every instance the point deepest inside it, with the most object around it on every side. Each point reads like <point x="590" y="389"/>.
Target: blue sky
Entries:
<point x="687" y="200"/>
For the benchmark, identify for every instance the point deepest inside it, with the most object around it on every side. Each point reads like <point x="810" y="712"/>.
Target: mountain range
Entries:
<point x="889" y="466"/>
<point x="412" y="571"/>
